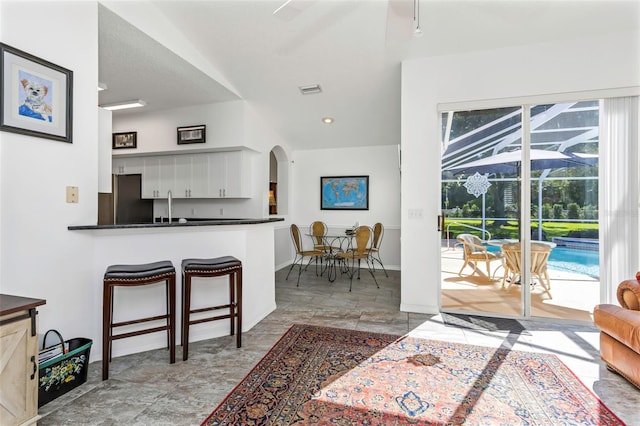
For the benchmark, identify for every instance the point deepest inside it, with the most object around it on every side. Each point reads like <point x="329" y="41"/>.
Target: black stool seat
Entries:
<point x="215" y="267"/>
<point x="137" y="275"/>
<point x="216" y="264"/>
<point x="141" y="271"/>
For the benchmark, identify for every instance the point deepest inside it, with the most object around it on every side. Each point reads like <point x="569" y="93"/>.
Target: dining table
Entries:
<point x="499" y="242"/>
<point x="337" y="241"/>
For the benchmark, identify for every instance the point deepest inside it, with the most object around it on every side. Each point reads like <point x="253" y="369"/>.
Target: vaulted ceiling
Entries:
<point x="352" y="48"/>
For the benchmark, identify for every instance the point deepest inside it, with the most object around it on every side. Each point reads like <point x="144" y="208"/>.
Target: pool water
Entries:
<point x="586" y="262"/>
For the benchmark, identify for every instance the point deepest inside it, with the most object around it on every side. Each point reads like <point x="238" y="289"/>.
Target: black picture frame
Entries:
<point x="125" y="140"/>
<point x="192" y="134"/>
<point x="36" y="96"/>
<point x="344" y="193"/>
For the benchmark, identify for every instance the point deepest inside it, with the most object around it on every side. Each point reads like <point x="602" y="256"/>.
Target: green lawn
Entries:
<point x="510" y="228"/>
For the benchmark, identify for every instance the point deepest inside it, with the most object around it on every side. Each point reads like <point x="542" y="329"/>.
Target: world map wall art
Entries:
<point x="344" y="193"/>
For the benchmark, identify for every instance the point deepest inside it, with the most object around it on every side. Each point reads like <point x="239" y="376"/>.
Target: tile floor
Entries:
<point x="144" y="389"/>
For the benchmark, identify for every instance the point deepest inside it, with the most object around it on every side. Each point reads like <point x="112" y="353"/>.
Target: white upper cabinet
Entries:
<point x="127" y="165"/>
<point x="206" y="175"/>
<point x="191" y="176"/>
<point x="228" y="175"/>
<point x="158" y="177"/>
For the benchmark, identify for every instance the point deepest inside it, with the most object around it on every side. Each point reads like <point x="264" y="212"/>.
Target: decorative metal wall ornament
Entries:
<point x="477" y="184"/>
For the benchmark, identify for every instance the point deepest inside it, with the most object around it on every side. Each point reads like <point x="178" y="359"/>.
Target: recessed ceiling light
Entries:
<point x="310" y="90"/>
<point x="124" y="105"/>
<point x="327" y="120"/>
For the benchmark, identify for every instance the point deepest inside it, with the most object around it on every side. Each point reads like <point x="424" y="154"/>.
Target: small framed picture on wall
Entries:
<point x="191" y="134"/>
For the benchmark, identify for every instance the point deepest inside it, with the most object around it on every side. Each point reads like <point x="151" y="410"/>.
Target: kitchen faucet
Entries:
<point x="170" y="202"/>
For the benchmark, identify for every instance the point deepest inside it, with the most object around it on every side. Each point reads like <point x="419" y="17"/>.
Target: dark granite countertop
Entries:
<point x="176" y="224"/>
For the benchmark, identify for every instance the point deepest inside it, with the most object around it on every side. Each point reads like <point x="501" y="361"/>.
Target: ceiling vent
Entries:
<point x="310" y="90"/>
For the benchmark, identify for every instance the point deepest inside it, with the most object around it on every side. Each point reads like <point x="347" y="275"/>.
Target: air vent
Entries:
<point x="310" y="90"/>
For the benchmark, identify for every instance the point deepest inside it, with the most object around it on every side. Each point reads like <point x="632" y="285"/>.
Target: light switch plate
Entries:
<point x="72" y="194"/>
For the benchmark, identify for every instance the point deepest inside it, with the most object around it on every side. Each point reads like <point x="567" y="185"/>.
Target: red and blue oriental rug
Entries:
<point x="329" y="376"/>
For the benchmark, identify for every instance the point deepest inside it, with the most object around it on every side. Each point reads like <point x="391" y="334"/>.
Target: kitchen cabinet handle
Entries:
<point x="220" y="192"/>
<point x="35" y="367"/>
<point x="224" y="192"/>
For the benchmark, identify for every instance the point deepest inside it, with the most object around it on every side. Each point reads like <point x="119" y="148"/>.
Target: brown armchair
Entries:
<point x="620" y="331"/>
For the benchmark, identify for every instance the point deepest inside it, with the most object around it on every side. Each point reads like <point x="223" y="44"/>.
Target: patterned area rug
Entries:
<point x="330" y="376"/>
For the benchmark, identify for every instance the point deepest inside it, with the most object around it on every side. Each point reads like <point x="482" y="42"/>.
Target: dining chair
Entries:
<point x="513" y="264"/>
<point x="475" y="251"/>
<point x="362" y="237"/>
<point x="374" y="249"/>
<point x="300" y="254"/>
<point x="318" y="231"/>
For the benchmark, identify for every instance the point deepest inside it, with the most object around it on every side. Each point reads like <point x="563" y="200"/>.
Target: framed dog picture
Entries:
<point x="125" y="140"/>
<point x="191" y="134"/>
<point x="37" y="96"/>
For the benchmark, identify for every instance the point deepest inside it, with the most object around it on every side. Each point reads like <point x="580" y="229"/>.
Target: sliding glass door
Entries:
<point x="516" y="249"/>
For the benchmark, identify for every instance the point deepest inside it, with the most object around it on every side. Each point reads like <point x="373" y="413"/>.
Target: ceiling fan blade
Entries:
<point x="399" y="21"/>
<point x="290" y="9"/>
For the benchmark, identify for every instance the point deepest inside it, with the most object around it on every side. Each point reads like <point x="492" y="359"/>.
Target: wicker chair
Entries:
<point x="374" y="250"/>
<point x="301" y="254"/>
<point x="475" y="251"/>
<point x="318" y="231"/>
<point x="513" y="264"/>
<point x="363" y="236"/>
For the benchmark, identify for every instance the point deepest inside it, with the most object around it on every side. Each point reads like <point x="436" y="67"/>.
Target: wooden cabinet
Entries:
<point x="18" y="360"/>
<point x="229" y="175"/>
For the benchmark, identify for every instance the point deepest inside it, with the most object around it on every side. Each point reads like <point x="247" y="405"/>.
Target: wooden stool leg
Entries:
<point x="106" y="329"/>
<point x="186" y="308"/>
<point x="167" y="297"/>
<point x="239" y="306"/>
<point x="172" y="318"/>
<point x="232" y="301"/>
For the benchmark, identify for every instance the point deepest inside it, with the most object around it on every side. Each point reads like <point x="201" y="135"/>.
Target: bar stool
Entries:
<point x="220" y="266"/>
<point x="137" y="275"/>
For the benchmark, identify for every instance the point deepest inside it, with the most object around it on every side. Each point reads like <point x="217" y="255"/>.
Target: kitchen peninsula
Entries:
<point x="250" y="240"/>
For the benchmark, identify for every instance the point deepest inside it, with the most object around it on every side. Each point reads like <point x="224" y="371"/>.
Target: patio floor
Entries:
<point x="573" y="296"/>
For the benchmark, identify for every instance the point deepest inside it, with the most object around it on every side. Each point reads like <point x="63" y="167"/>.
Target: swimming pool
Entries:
<point x="586" y="262"/>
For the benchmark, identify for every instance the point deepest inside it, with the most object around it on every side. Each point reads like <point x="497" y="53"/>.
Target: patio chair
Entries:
<point x="475" y="251"/>
<point x="513" y="264"/>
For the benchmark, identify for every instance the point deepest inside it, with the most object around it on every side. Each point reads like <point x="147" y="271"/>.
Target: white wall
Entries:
<point x="40" y="257"/>
<point x="157" y="131"/>
<point x="606" y="62"/>
<point x="380" y="163"/>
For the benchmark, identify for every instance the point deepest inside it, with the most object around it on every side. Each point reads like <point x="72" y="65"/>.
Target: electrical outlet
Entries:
<point x="72" y="194"/>
<point x="193" y="212"/>
<point x="221" y="211"/>
<point x="415" y="213"/>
